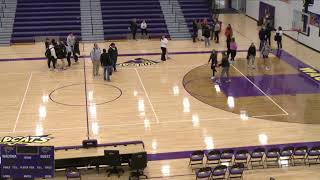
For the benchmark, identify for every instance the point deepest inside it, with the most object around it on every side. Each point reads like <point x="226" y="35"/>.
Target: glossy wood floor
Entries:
<point x="153" y="107"/>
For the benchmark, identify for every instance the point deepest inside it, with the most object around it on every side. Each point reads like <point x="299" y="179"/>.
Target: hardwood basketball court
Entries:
<point x="150" y="103"/>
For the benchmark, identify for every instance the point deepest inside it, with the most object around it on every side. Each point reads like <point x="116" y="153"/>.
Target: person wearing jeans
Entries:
<point x="95" y="57"/>
<point x="206" y="35"/>
<point x="225" y="67"/>
<point x="106" y="62"/>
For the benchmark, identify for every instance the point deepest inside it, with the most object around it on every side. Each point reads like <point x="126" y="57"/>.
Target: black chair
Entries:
<point x="112" y="159"/>
<point x="138" y="163"/>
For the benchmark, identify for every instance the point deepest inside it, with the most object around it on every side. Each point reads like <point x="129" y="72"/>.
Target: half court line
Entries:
<point x="286" y="113"/>
<point x="145" y="91"/>
<point x="21" y="105"/>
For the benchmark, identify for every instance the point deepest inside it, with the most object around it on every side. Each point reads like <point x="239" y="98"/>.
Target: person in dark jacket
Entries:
<point x="194" y="30"/>
<point x="76" y="52"/>
<point x="113" y="53"/>
<point x="251" y="56"/>
<point x="61" y="53"/>
<point x="214" y="62"/>
<point x="225" y="67"/>
<point x="206" y="35"/>
<point x="133" y="28"/>
<point x="262" y="37"/>
<point x="268" y="33"/>
<point x="106" y="63"/>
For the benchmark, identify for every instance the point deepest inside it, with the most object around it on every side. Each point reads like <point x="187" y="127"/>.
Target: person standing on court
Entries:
<point x="199" y="27"/>
<point x="133" y="28"/>
<point x="228" y="33"/>
<point x="113" y="53"/>
<point x="144" y="27"/>
<point x="206" y="35"/>
<point x="233" y="49"/>
<point x="69" y="52"/>
<point x="76" y="52"/>
<point x="95" y="55"/>
<point x="51" y="55"/>
<point x="194" y="30"/>
<point x="251" y="56"/>
<point x="163" y="45"/>
<point x="217" y="29"/>
<point x="262" y="37"/>
<point x="265" y="55"/>
<point x="71" y="41"/>
<point x="278" y="37"/>
<point x="268" y="33"/>
<point x="225" y="67"/>
<point x="106" y="63"/>
<point x="214" y="62"/>
<point x="61" y="53"/>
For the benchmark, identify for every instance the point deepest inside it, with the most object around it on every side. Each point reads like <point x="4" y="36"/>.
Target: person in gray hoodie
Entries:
<point x="95" y="58"/>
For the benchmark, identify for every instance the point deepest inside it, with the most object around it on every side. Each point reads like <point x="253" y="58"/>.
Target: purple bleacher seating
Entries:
<point x="117" y="15"/>
<point x="195" y="9"/>
<point x="46" y="18"/>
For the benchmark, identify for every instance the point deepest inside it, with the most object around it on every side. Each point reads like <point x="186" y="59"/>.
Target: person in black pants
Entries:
<point x="214" y="62"/>
<point x="76" y="51"/>
<point x="113" y="53"/>
<point x="51" y="55"/>
<point x="106" y="62"/>
<point x="262" y="37"/>
<point x="163" y="45"/>
<point x="194" y="30"/>
<point x="133" y="28"/>
<point x="268" y="34"/>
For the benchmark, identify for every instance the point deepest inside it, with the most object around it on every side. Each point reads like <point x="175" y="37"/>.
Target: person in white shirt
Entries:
<point x="278" y="37"/>
<point x="95" y="58"/>
<point x="144" y="27"/>
<point x="163" y="45"/>
<point x="52" y="57"/>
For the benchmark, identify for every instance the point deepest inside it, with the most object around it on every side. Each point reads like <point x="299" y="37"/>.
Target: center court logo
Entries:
<point x="138" y="62"/>
<point x="9" y="140"/>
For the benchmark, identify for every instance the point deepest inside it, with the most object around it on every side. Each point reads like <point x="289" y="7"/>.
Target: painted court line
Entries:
<point x="21" y="105"/>
<point x="145" y="91"/>
<point x="261" y="90"/>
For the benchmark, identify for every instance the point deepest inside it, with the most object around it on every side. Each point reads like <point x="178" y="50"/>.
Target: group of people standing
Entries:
<point x="107" y="59"/>
<point x="59" y="50"/>
<point x="264" y="47"/>
<point x="202" y="31"/>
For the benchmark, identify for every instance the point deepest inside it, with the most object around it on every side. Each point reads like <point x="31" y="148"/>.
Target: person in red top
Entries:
<point x="228" y="33"/>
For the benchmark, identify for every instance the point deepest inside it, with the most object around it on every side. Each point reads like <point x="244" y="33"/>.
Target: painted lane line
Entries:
<point x="21" y="105"/>
<point x="147" y="95"/>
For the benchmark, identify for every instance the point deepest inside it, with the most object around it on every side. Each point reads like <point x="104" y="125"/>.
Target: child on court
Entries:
<point x="214" y="62"/>
<point x="265" y="55"/>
